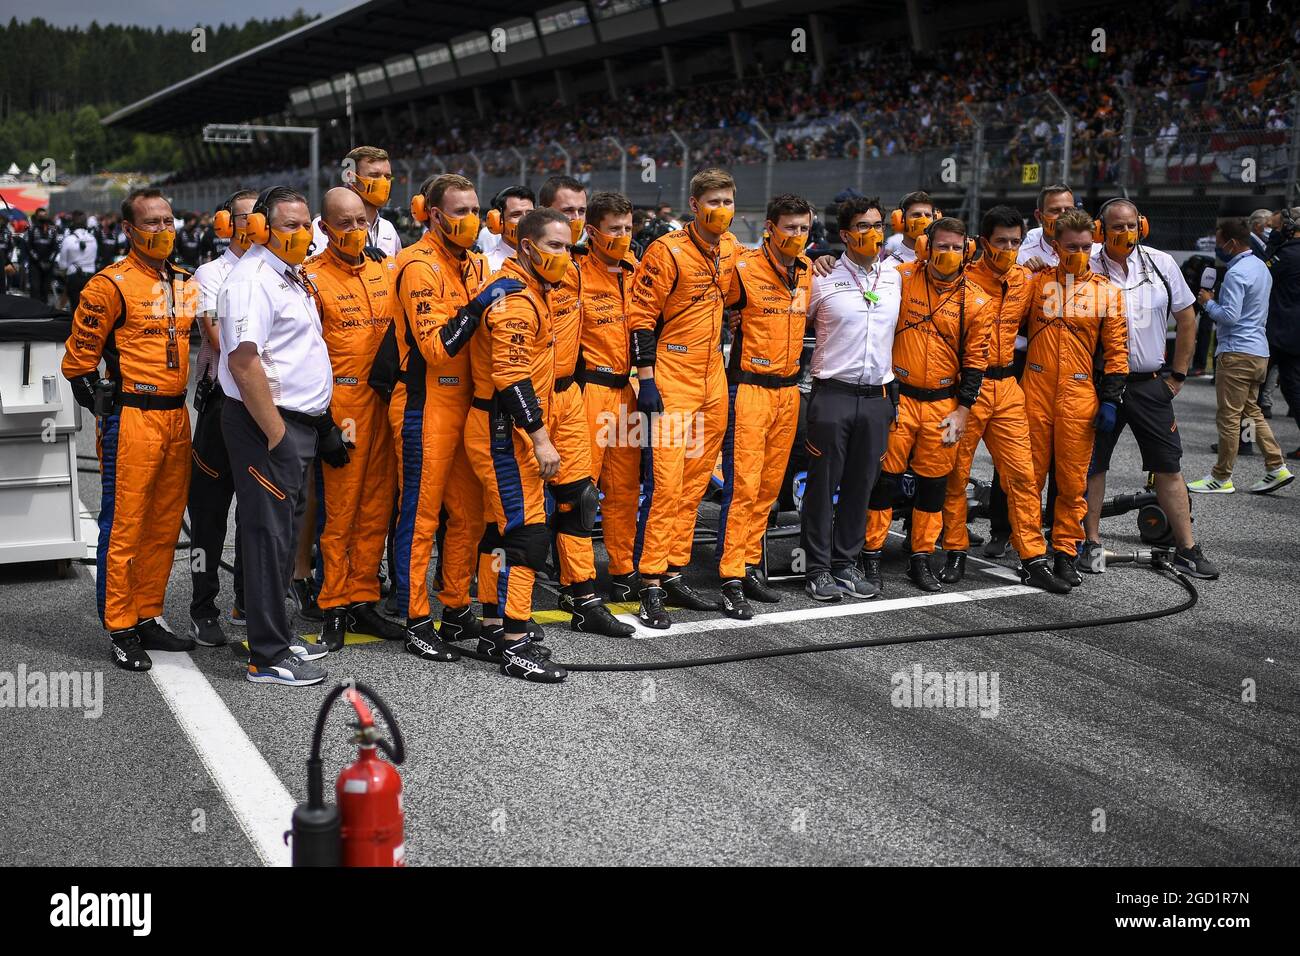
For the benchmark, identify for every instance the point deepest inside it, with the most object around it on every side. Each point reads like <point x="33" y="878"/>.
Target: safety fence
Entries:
<point x="1181" y="148"/>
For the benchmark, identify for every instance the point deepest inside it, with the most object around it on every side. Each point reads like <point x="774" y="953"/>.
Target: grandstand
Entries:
<point x="975" y="102"/>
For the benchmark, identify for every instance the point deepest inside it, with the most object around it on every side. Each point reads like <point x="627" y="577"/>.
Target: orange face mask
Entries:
<point x="550" y="266"/>
<point x="155" y="245"/>
<point x="947" y="262"/>
<point x="510" y="233"/>
<point x="1000" y="260"/>
<point x="575" y="230"/>
<point x="461" y="231"/>
<point x="350" y="242"/>
<point x="290" y="245"/>
<point x="1049" y="225"/>
<point x="716" y="219"/>
<point x="914" y="226"/>
<point x="866" y="243"/>
<point x="239" y="237"/>
<point x="787" y="244"/>
<point x="1120" y="244"/>
<point x="373" y="190"/>
<point x="1075" y="263"/>
<point x="615" y="247"/>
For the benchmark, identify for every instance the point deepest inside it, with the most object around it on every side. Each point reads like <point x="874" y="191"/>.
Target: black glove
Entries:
<point x="648" y="399"/>
<point x="496" y="289"/>
<point x="331" y="448"/>
<point x="373" y="252"/>
<point x="456" y="333"/>
<point x="83" y="391"/>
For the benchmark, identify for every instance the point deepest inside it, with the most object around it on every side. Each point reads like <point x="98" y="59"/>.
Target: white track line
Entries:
<point x="845" y="608"/>
<point x="259" y="801"/>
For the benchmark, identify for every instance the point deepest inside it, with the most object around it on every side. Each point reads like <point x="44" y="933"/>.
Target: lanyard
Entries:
<point x="868" y="294"/>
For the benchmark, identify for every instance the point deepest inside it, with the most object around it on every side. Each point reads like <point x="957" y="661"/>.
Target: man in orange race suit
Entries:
<point x="354" y="294"/>
<point x="1073" y="314"/>
<point x="442" y="290"/>
<point x="675" y="319"/>
<point x="572" y="489"/>
<point x="940" y="351"/>
<point x="999" y="415"/>
<point x="770" y="290"/>
<point x="509" y="443"/>
<point x="135" y="316"/>
<point x="604" y="369"/>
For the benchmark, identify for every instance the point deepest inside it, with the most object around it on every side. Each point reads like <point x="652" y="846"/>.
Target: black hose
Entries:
<point x="1163" y="569"/>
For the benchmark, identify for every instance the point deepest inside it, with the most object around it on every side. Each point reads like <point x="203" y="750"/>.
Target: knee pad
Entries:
<point x="930" y="493"/>
<point x="491" y="539"/>
<point x="886" y="490"/>
<point x="575" y="508"/>
<point x="528" y="546"/>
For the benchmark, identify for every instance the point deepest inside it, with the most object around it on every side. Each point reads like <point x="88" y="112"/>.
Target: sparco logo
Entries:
<point x="142" y="387"/>
<point x="77" y="909"/>
<point x="345" y="380"/>
<point x="448" y="379"/>
<point x="675" y="348"/>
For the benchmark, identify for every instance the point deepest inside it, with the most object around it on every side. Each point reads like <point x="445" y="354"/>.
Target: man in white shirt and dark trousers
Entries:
<point x="211" y="484"/>
<point x="854" y="312"/>
<point x="276" y="374"/>
<point x="77" y="254"/>
<point x="1154" y="291"/>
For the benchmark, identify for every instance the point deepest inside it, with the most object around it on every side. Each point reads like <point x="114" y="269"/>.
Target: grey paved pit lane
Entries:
<point x="794" y="760"/>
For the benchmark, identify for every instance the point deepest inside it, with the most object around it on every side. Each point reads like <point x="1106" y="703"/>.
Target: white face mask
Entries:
<point x="1268" y="231"/>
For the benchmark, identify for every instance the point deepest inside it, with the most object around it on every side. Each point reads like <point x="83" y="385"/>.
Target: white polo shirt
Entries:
<point x="210" y="277"/>
<point x="896" y="252"/>
<point x="264" y="301"/>
<point x="1037" y="244"/>
<point x="1146" y="303"/>
<point x="382" y="234"/>
<point x="498" y="253"/>
<point x="855" y="336"/>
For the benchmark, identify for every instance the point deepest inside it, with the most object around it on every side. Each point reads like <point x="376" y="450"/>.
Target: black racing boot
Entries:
<point x="756" y="587"/>
<point x="590" y="616"/>
<point x="680" y="594"/>
<point x="303" y="592"/>
<point x="1063" y="567"/>
<point x="334" y="628"/>
<point x="624" y="587"/>
<point x="871" y="568"/>
<point x="918" y="569"/>
<point x="128" y="653"/>
<point x="424" y="643"/>
<point x="954" y="567"/>
<point x="155" y="635"/>
<point x="1036" y="573"/>
<point x="492" y="641"/>
<point x="364" y="619"/>
<point x="652" y="613"/>
<point x="459" y="624"/>
<point x="733" y="601"/>
<point x="521" y="659"/>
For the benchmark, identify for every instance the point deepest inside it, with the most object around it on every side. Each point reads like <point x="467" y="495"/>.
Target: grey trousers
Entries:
<point x="270" y="487"/>
<point x="846" y="435"/>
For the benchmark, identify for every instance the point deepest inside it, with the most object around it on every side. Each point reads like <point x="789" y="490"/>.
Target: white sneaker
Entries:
<point x="1275" y="479"/>
<point x="1209" y="485"/>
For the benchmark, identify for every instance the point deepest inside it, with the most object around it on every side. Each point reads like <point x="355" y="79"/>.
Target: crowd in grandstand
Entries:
<point x="1191" y="77"/>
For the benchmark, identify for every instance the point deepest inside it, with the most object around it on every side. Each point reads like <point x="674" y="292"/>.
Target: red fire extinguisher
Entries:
<point x="365" y="828"/>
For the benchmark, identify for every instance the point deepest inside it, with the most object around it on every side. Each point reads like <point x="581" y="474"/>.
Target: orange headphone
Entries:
<point x="419" y="209"/>
<point x="493" y="222"/>
<point x="923" y="245"/>
<point x="1099" y="224"/>
<point x="223" y="223"/>
<point x="258" y="229"/>
<point x="897" y="224"/>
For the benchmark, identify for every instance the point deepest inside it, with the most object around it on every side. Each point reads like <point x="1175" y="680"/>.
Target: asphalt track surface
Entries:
<point x="796" y="760"/>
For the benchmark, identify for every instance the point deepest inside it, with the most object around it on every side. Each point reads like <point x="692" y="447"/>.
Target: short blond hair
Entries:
<point x="1073" y="220"/>
<point x="359" y="153"/>
<point x="711" y="178"/>
<point x="435" y="187"/>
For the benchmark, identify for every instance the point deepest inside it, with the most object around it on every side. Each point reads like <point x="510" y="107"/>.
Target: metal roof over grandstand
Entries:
<point x="394" y="50"/>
